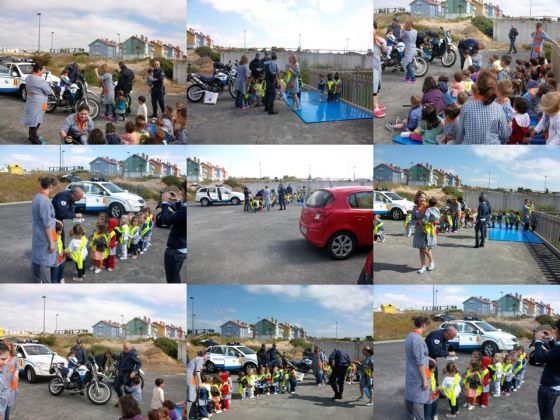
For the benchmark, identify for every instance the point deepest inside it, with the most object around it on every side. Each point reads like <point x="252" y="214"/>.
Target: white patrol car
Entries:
<point x="34" y="360"/>
<point x="207" y="196"/>
<point x="387" y="203"/>
<point x="480" y="335"/>
<point x="108" y="197"/>
<point x="227" y="357"/>
<point x="13" y="75"/>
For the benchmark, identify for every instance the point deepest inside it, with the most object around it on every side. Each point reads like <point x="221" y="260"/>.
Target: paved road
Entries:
<point x="224" y="124"/>
<point x="458" y="262"/>
<point x="395" y="93"/>
<point x="389" y="390"/>
<point x="11" y="110"/>
<point x="228" y="245"/>
<point x="309" y="401"/>
<point x="35" y="402"/>
<point x="15" y="259"/>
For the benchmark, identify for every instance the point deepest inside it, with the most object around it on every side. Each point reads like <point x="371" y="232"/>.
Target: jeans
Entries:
<point x="512" y="46"/>
<point x="157" y="98"/>
<point x="109" y="110"/>
<point x="293" y="383"/>
<point x="173" y="261"/>
<point x="7" y="414"/>
<point x="247" y="205"/>
<point x="122" y="379"/>
<point x="430" y="410"/>
<point x="41" y="274"/>
<point x="414" y="411"/>
<point x="462" y="56"/>
<point x="546" y="398"/>
<point x="57" y="273"/>
<point x="410" y="72"/>
<point x="480" y="232"/>
<point x="239" y="99"/>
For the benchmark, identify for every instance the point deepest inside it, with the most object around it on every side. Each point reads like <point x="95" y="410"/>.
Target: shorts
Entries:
<point x="376" y="81"/>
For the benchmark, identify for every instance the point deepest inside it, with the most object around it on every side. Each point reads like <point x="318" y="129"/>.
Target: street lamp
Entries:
<point x="122" y="325"/>
<point x="56" y="328"/>
<point x="546" y="176"/>
<point x="244" y="39"/>
<point x="52" y="36"/>
<point x="336" y="330"/>
<point x="347" y="50"/>
<point x="119" y="46"/>
<point x="489" y="172"/>
<point x="260" y="172"/>
<point x="354" y="174"/>
<point x="299" y="43"/>
<point x="44" y="311"/>
<point x="436" y="296"/>
<point x="192" y="314"/>
<point x="39" y="37"/>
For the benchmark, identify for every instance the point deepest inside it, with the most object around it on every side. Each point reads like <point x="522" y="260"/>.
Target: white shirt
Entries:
<point x="157" y="398"/>
<point x="74" y="245"/>
<point x="447" y="383"/>
<point x="553" y="125"/>
<point x="142" y="110"/>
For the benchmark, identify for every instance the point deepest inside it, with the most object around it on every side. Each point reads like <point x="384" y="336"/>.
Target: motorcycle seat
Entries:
<point x="207" y="78"/>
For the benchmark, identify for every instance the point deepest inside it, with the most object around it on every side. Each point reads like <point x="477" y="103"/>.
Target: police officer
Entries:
<point x="126" y="77"/>
<point x="256" y="66"/>
<point x="63" y="204"/>
<point x="246" y="199"/>
<point x="467" y="46"/>
<point x="158" y="90"/>
<point x="438" y="343"/>
<point x="339" y="362"/>
<point x="281" y="197"/>
<point x="261" y="356"/>
<point x="127" y="365"/>
<point x="270" y="72"/>
<point x="272" y="356"/>
<point x="80" y="352"/>
<point x="484" y="210"/>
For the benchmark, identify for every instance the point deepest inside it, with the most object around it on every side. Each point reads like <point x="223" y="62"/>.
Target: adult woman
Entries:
<point x="10" y="374"/>
<point x="379" y="48"/>
<point x="420" y="238"/>
<point x="241" y="82"/>
<point x="483" y="121"/>
<point x="319" y="360"/>
<point x="194" y="367"/>
<point x="539" y="36"/>
<point x="366" y="378"/>
<point x="292" y="87"/>
<point x="108" y="91"/>
<point x="77" y="127"/>
<point x="416" y="390"/>
<point x="43" y="254"/>
<point x="409" y="38"/>
<point x="36" y="104"/>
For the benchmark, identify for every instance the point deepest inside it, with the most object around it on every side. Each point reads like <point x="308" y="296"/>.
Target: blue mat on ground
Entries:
<point x="313" y="110"/>
<point x="512" y="235"/>
<point x="534" y="122"/>
<point x="406" y="141"/>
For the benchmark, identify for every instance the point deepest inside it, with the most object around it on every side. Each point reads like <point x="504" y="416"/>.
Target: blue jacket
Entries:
<point x="63" y="205"/>
<point x="551" y="358"/>
<point x="80" y="355"/>
<point x="484" y="211"/>
<point x="127" y="362"/>
<point x="437" y="344"/>
<point x="339" y="358"/>
<point x="178" y="236"/>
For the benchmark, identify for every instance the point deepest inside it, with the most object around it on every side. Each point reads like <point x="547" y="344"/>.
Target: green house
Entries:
<point x="137" y="47"/>
<point x="421" y="174"/>
<point x="510" y="305"/>
<point x="139" y="328"/>
<point x="137" y="166"/>
<point x="460" y="8"/>
<point x="268" y="329"/>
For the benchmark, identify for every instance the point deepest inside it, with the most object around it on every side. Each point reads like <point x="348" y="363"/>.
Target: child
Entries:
<point x="99" y="246"/>
<point x="123" y="232"/>
<point x="111" y="135"/>
<point x="517" y="220"/>
<point x="520" y="368"/>
<point x="158" y="396"/>
<point x="411" y="122"/>
<point x="505" y="72"/>
<point x="468" y="61"/>
<point x="57" y="272"/>
<point x="431" y="215"/>
<point x="408" y="224"/>
<point x="520" y="121"/>
<point x="275" y="380"/>
<point x="467" y="82"/>
<point x="457" y="85"/>
<point x="135" y="389"/>
<point x="499" y="218"/>
<point x="111" y="260"/>
<point x="292" y="380"/>
<point x="486" y="379"/>
<point x="251" y="380"/>
<point x="534" y="221"/>
<point x="533" y="82"/>
<point x="452" y="121"/>
<point x="242" y="385"/>
<point x="430" y="408"/>
<point x="225" y="389"/>
<point x="260" y="382"/>
<point x="451" y="388"/>
<point x="77" y="250"/>
<point x="170" y="405"/>
<point x="550" y="106"/>
<point x="203" y="398"/>
<point x="337" y="86"/>
<point x="150" y="79"/>
<point x="120" y="105"/>
<point x="472" y="382"/>
<point x="497" y="371"/>
<point x="432" y="94"/>
<point x="64" y="82"/>
<point x="267" y="381"/>
<point x="504" y="90"/>
<point x="134" y="237"/>
<point x="474" y="73"/>
<point x="142" y="108"/>
<point x="72" y="364"/>
<point x="507" y="377"/>
<point x="476" y="59"/>
<point x="350" y="372"/>
<point x="444" y="87"/>
<point x="430" y="125"/>
<point x="321" y="87"/>
<point x="142" y="129"/>
<point x="216" y="394"/>
<point x="330" y="88"/>
<point x="378" y="229"/>
<point x="130" y="136"/>
<point x="534" y="96"/>
<point x="462" y="99"/>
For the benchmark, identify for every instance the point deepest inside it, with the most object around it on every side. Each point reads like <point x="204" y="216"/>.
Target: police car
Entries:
<point x="218" y="195"/>
<point x="108" y="197"/>
<point x="387" y="203"/>
<point x="480" y="335"/>
<point x="14" y="73"/>
<point x="34" y="360"/>
<point x="230" y="357"/>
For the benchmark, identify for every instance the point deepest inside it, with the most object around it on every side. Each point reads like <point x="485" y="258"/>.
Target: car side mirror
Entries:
<point x="20" y="355"/>
<point x="14" y="74"/>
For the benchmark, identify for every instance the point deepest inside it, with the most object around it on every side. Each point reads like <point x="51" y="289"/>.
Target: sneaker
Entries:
<point x="431" y="266"/>
<point x="410" y="82"/>
<point x="79" y="279"/>
<point x="470" y="407"/>
<point x="381" y="107"/>
<point x="421" y="270"/>
<point x="370" y="404"/>
<point x="97" y="270"/>
<point x="378" y="113"/>
<point x="466" y="405"/>
<point x="359" y="398"/>
<point x="483" y="405"/>
<point x="451" y="416"/>
<point x="92" y="267"/>
<point x="62" y="281"/>
<point x="436" y="417"/>
<point x="110" y="269"/>
<point x="389" y="127"/>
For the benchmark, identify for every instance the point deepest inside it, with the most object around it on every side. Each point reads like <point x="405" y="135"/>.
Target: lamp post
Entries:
<point x="119" y="46"/>
<point x="354" y="174"/>
<point x="122" y="326"/>
<point x="260" y="172"/>
<point x="546" y="176"/>
<point x="39" y="37"/>
<point x="52" y="36"/>
<point x="192" y="314"/>
<point x="489" y="172"/>
<point x="44" y="311"/>
<point x="244" y="39"/>
<point x="299" y="43"/>
<point x="336" y="326"/>
<point x="347" y="50"/>
<point x="56" y="328"/>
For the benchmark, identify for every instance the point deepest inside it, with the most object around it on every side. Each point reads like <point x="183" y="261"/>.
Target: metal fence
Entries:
<point x="357" y="88"/>
<point x="548" y="227"/>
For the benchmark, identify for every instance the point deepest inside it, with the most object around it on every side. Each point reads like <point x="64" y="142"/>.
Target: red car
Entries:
<point x="340" y="219"/>
<point x="366" y="276"/>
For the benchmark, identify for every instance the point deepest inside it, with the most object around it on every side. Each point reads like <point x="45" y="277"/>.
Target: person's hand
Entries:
<point x="68" y="140"/>
<point x="452" y="354"/>
<point x="166" y="196"/>
<point x="132" y="374"/>
<point x="79" y="215"/>
<point x="425" y="383"/>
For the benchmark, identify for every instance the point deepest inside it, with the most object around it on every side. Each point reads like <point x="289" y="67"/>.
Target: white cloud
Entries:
<point x="501" y="153"/>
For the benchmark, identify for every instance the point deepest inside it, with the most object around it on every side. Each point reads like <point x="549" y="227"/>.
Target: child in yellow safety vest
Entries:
<point x="57" y="272"/>
<point x="146" y="230"/>
<point x="519" y="367"/>
<point x="472" y="384"/>
<point x="378" y="229"/>
<point x="337" y="86"/>
<point x="450" y="387"/>
<point x="134" y="236"/>
<point x="99" y="246"/>
<point x="276" y="378"/>
<point x="123" y="232"/>
<point x="430" y="408"/>
<point x="408" y="224"/>
<point x="77" y="250"/>
<point x="507" y="377"/>
<point x="216" y="394"/>
<point x="350" y="372"/>
<point x="497" y="369"/>
<point x="331" y="88"/>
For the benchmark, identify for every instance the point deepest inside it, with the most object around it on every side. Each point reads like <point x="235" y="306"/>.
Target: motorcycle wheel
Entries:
<point x="51" y="105"/>
<point x="195" y="93"/>
<point x="56" y="386"/>
<point x="93" y="107"/>
<point x="448" y="58"/>
<point x="420" y="66"/>
<point x="232" y="90"/>
<point x="100" y="394"/>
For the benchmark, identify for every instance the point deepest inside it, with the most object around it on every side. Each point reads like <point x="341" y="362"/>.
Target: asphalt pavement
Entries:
<point x="390" y="382"/>
<point x="457" y="261"/>
<point x="35" y="402"/>
<point x="222" y="123"/>
<point x="228" y="245"/>
<point x="12" y="108"/>
<point x="395" y="93"/>
<point x="15" y="255"/>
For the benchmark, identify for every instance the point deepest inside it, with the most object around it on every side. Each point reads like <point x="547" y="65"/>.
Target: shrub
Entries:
<point x="167" y="346"/>
<point x="514" y="329"/>
<point x="545" y="320"/>
<point x="140" y="190"/>
<point x="450" y="190"/>
<point x="300" y="342"/>
<point x="43" y="58"/>
<point x="485" y="25"/>
<point x="172" y="180"/>
<point x="207" y="52"/>
<point x="166" y="65"/>
<point x="233" y="183"/>
<point x="47" y="340"/>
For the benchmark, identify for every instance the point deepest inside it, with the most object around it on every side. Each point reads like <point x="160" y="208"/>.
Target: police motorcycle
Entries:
<point x="215" y="83"/>
<point x="394" y="56"/>
<point x="85" y="378"/>
<point x="74" y="96"/>
<point x="434" y="45"/>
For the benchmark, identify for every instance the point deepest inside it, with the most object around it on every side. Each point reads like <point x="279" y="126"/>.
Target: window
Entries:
<point x="95" y="189"/>
<point x="14" y="69"/>
<point x="4" y="71"/>
<point x="230" y="351"/>
<point x="218" y="350"/>
<point x="361" y="200"/>
<point x="203" y="190"/>
<point x="319" y="199"/>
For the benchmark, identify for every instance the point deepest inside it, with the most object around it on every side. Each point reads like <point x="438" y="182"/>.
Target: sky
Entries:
<point x="509" y="166"/>
<point x="77" y="23"/>
<point x="317" y="308"/>
<point x="336" y="162"/>
<point x="510" y="8"/>
<point x="29" y="158"/>
<point x="323" y="24"/>
<point x="416" y="296"/>
<point x="81" y="306"/>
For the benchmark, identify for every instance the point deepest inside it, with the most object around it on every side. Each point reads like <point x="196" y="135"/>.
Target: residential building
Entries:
<point x="479" y="305"/>
<point x="439" y="176"/>
<point x="194" y="169"/>
<point x="137" y="47"/>
<point x="540" y="308"/>
<point x="389" y="173"/>
<point x="180" y="333"/>
<point x="286" y="330"/>
<point x="139" y="328"/>
<point x="429" y="8"/>
<point x="107" y="329"/>
<point x="197" y="39"/>
<point x="157" y="47"/>
<point x="456" y="8"/>
<point x="388" y="308"/>
<point x="159" y="329"/>
<point x="207" y="171"/>
<point x="156" y="166"/>
<point x="235" y="328"/>
<point x="171" y="331"/>
<point x="421" y="174"/>
<point x="168" y="51"/>
<point x="267" y="329"/>
<point x="105" y="166"/>
<point x="15" y="169"/>
<point x="137" y="166"/>
<point x="510" y="305"/>
<point x="104" y="48"/>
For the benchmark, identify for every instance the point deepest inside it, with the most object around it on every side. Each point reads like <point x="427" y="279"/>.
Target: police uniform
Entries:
<point x="63" y="208"/>
<point x="437" y="346"/>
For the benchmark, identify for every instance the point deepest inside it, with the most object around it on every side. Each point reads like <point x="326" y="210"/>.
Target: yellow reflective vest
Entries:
<point x="77" y="255"/>
<point x="450" y="393"/>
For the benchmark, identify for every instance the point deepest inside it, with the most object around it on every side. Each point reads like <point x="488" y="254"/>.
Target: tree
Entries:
<point x="460" y="9"/>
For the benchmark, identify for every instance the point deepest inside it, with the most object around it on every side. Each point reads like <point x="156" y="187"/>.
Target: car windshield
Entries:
<point x="26" y="68"/>
<point x="319" y="199"/>
<point x="393" y="196"/>
<point x="37" y="350"/>
<point x="485" y="326"/>
<point x="112" y="187"/>
<point x="245" y="350"/>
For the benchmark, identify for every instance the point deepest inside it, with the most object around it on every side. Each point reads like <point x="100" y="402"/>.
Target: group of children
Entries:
<point x="111" y="238"/>
<point x="333" y="86"/>
<point x="527" y="92"/>
<point x="485" y="377"/>
<point x="214" y="395"/>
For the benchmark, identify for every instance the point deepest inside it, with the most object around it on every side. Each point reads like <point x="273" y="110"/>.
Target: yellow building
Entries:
<point x="388" y="308"/>
<point x="479" y="6"/>
<point x="1" y="332"/>
<point x="159" y="328"/>
<point x="15" y="169"/>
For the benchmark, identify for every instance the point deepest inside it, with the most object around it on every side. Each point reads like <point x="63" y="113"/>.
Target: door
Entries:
<point x="96" y="200"/>
<point x="8" y="83"/>
<point x="217" y="356"/>
<point x="225" y="194"/>
<point x="468" y="337"/>
<point x="231" y="358"/>
<point x="380" y="204"/>
<point x="212" y="193"/>
<point x="361" y="205"/>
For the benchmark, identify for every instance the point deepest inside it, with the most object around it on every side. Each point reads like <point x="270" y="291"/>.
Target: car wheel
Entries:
<point x="30" y="375"/>
<point x="210" y="367"/>
<point x="205" y="202"/>
<point x="116" y="210"/>
<point x="23" y="93"/>
<point x="489" y="348"/>
<point x="235" y="201"/>
<point x="341" y="245"/>
<point x="397" y="214"/>
<point x="249" y="366"/>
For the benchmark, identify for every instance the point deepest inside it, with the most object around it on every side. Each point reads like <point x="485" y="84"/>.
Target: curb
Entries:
<point x="388" y="341"/>
<point x="15" y="203"/>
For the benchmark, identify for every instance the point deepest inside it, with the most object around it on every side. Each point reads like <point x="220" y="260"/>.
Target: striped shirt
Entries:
<point x="483" y="124"/>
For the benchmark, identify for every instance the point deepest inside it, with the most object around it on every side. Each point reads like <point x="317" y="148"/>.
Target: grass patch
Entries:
<point x="168" y="346"/>
<point x="514" y="329"/>
<point x="142" y="191"/>
<point x="15" y="188"/>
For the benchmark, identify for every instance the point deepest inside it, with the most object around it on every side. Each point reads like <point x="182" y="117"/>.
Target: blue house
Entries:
<point x="103" y="48"/>
<point x="168" y="51"/>
<point x="430" y="8"/>
<point x="389" y="173"/>
<point x="479" y="305"/>
<point x="237" y="329"/>
<point x="107" y="329"/>
<point x="105" y="166"/>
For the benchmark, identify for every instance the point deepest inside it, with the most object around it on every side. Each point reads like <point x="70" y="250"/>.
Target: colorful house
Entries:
<point x="388" y="308"/>
<point x="479" y="305"/>
<point x="429" y="8"/>
<point x="137" y="166"/>
<point x="159" y="329"/>
<point x="137" y="47"/>
<point x="421" y="174"/>
<point x="389" y="173"/>
<point x="157" y="48"/>
<point x="171" y="331"/>
<point x="15" y="169"/>
<point x="286" y="331"/>
<point x="236" y="328"/>
<point x="107" y="329"/>
<point x="168" y="51"/>
<point x="510" y="305"/>
<point x="105" y="166"/>
<point x="103" y="48"/>
<point x="455" y="8"/>
<point x="156" y="166"/>
<point x="139" y="328"/>
<point x="439" y="176"/>
<point x="267" y="329"/>
<point x="194" y="169"/>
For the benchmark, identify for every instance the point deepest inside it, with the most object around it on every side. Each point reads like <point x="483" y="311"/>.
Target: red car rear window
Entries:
<point x="319" y="199"/>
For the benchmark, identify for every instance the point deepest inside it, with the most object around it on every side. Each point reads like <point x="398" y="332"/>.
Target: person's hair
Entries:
<point x="37" y="67"/>
<point x="104" y="68"/>
<point x="203" y="378"/>
<point x="521" y="105"/>
<point x="458" y="76"/>
<point x="451" y="111"/>
<point x="101" y="227"/>
<point x="466" y="74"/>
<point x="475" y="365"/>
<point x="83" y="107"/>
<point x="552" y="84"/>
<point x="534" y="75"/>
<point x="244" y="59"/>
<point x="153" y="415"/>
<point x="368" y="350"/>
<point x="486" y="86"/>
<point x="443" y="79"/>
<point x="129" y="127"/>
<point x="429" y="84"/>
<point x="182" y="113"/>
<point x="163" y="411"/>
<point x="201" y="353"/>
<point x="415" y="101"/>
<point x="47" y="181"/>
<point x="518" y="85"/>
<point x="142" y="99"/>
<point x="77" y="230"/>
<point x="129" y="407"/>
<point x="505" y="87"/>
<point x="506" y="59"/>
<point x="432" y="202"/>
<point x="135" y="380"/>
<point x="168" y="404"/>
<point x="462" y="98"/>
<point x="539" y="24"/>
<point x="96" y="136"/>
<point x="140" y="118"/>
<point x="420" y="320"/>
<point x="550" y="103"/>
<point x="542" y="90"/>
<point x="472" y="69"/>
<point x="4" y="348"/>
<point x="451" y="367"/>
<point x="418" y="194"/>
<point x="409" y="24"/>
<point x="110" y="127"/>
<point x="58" y="227"/>
<point x="159" y="381"/>
<point x="430" y="116"/>
<point x="432" y="364"/>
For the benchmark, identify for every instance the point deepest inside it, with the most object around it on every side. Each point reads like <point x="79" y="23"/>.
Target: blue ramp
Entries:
<point x="406" y="141"/>
<point x="512" y="235"/>
<point x="315" y="110"/>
